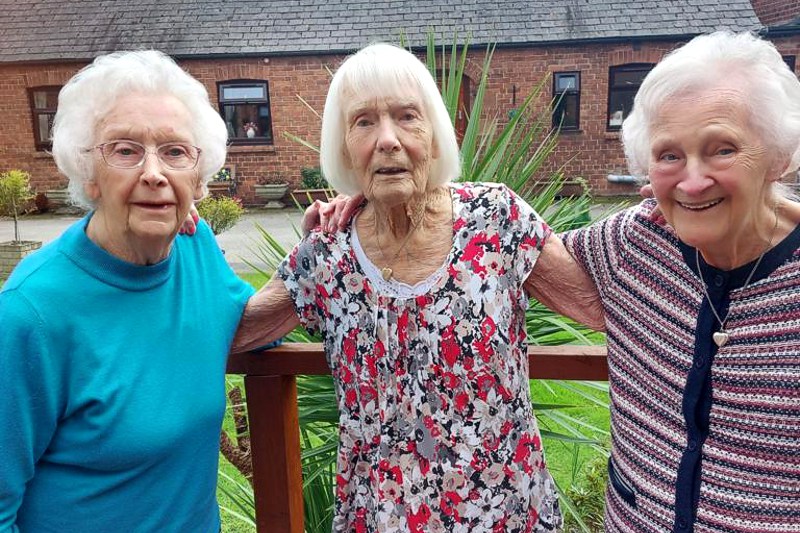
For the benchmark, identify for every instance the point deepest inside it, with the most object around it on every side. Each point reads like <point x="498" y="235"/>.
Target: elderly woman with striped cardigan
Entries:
<point x="702" y="305"/>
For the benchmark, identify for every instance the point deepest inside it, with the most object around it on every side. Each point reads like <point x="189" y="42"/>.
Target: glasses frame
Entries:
<point x="144" y="157"/>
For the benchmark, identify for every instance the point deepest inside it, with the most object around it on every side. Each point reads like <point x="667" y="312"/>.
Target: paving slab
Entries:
<point x="237" y="241"/>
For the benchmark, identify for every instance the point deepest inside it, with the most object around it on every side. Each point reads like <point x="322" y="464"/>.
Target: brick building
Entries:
<point x="258" y="59"/>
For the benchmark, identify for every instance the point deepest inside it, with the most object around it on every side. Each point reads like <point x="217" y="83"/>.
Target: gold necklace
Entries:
<point x="416" y="221"/>
<point x="722" y="337"/>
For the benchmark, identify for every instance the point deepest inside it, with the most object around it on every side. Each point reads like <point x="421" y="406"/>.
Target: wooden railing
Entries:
<point x="274" y="425"/>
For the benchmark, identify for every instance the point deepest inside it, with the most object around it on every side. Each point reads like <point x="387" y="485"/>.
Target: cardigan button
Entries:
<point x="691" y="445"/>
<point x="719" y="280"/>
<point x="682" y="523"/>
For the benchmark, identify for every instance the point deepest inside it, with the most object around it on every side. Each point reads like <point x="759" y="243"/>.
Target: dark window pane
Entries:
<point x="44" y="103"/>
<point x="789" y="60"/>
<point x="45" y="121"/>
<point x="623" y="84"/>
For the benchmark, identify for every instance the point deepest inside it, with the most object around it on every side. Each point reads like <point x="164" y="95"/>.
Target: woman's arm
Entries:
<point x="559" y="282"/>
<point x="268" y="316"/>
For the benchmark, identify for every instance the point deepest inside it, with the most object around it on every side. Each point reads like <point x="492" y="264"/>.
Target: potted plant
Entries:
<point x="15" y="192"/>
<point x="271" y="189"/>
<point x="250" y="129"/>
<point x="222" y="183"/>
<point x="313" y="185"/>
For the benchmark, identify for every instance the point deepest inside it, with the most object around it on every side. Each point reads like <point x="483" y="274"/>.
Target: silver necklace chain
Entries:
<point x="722" y="340"/>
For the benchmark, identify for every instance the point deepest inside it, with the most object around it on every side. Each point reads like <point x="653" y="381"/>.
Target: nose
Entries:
<point x="152" y="169"/>
<point x="695" y="181"/>
<point x="387" y="136"/>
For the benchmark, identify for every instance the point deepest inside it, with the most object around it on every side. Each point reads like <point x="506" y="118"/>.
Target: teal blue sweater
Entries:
<point x="112" y="380"/>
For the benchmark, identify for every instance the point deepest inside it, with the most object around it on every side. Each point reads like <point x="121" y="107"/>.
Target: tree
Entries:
<point x="15" y="191"/>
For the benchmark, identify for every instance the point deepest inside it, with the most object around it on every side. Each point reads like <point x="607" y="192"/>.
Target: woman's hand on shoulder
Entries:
<point x="189" y="226"/>
<point x="646" y="191"/>
<point x="331" y="216"/>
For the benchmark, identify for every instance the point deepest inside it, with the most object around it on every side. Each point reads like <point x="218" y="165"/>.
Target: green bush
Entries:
<point x="15" y="192"/>
<point x="588" y="496"/>
<point x="312" y="178"/>
<point x="221" y="213"/>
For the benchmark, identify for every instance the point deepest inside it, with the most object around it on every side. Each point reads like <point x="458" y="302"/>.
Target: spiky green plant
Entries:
<point x="511" y="152"/>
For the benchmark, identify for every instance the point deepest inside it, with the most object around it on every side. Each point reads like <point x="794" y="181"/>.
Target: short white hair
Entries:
<point x="378" y="69"/>
<point x="773" y="92"/>
<point x="91" y="93"/>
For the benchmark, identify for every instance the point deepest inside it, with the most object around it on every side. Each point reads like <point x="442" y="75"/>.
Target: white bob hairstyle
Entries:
<point x="91" y="93"/>
<point x="773" y="93"/>
<point x="379" y="69"/>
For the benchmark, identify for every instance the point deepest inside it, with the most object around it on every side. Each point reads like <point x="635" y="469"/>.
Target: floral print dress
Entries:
<point x="437" y="432"/>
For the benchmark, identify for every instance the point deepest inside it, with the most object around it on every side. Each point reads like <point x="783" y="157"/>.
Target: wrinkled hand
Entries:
<point x="189" y="226"/>
<point x="656" y="216"/>
<point x="331" y="216"/>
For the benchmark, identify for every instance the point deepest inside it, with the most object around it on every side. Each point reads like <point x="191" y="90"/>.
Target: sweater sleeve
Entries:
<point x="31" y="383"/>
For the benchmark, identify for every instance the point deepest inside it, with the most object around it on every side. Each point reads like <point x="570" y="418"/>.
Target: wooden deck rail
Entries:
<point x="274" y="425"/>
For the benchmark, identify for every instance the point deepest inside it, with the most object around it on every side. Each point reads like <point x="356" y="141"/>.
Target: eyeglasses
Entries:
<point x="130" y="154"/>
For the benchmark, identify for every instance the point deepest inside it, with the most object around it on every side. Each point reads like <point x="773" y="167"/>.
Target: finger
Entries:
<point x="310" y="217"/>
<point x="646" y="191"/>
<point x="349" y="210"/>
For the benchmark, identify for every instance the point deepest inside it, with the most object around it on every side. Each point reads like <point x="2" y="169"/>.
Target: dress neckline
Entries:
<point x="398" y="289"/>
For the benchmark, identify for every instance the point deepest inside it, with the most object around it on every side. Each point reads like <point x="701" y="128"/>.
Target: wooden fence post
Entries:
<point x="275" y="435"/>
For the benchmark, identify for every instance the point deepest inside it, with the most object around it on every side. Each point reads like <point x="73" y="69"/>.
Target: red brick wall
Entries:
<point x="776" y="12"/>
<point x="591" y="153"/>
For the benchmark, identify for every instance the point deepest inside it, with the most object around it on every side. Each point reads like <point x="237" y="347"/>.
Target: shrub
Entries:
<point x="15" y="192"/>
<point x="221" y="213"/>
<point x="312" y="178"/>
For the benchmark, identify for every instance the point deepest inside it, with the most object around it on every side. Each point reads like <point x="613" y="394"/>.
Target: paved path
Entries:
<point x="237" y="241"/>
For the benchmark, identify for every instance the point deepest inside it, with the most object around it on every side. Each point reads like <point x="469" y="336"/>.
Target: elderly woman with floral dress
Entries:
<point x="421" y="306"/>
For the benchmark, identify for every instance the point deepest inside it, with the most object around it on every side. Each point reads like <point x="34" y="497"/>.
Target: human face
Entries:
<point x="389" y="144"/>
<point x="142" y="207"/>
<point x="711" y="174"/>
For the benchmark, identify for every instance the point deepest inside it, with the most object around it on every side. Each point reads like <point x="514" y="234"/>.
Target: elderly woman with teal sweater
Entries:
<point x="115" y="336"/>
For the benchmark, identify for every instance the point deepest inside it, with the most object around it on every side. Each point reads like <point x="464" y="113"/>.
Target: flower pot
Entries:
<point x="272" y="193"/>
<point x="250" y="132"/>
<point x="305" y="197"/>
<point x="219" y="188"/>
<point x="12" y="252"/>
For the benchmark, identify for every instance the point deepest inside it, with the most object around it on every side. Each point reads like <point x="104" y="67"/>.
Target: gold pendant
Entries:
<point x="386" y="272"/>
<point x="721" y="338"/>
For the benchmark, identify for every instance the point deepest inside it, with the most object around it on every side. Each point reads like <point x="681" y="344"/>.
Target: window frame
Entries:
<point x="612" y="70"/>
<point x="42" y="146"/>
<point x="790" y="60"/>
<point x="561" y="96"/>
<point x="267" y="101"/>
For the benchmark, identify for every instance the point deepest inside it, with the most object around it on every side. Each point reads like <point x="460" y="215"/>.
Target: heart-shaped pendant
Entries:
<point x="386" y="273"/>
<point x="720" y="338"/>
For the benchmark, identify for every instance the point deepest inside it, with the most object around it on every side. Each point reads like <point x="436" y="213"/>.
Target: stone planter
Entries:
<point x="305" y="197"/>
<point x="60" y="203"/>
<point x="12" y="252"/>
<point x="272" y="193"/>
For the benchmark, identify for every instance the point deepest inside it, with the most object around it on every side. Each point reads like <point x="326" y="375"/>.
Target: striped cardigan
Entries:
<point x="703" y="439"/>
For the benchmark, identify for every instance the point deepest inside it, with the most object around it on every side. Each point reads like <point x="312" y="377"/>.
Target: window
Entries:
<point x="623" y="83"/>
<point x="244" y="106"/>
<point x="44" y="102"/>
<point x="566" y="100"/>
<point x="789" y="60"/>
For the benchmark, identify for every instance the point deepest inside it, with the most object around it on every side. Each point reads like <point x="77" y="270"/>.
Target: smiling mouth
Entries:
<point x="700" y="207"/>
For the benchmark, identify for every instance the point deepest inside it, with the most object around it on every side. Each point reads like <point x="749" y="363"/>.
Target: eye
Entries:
<point x="726" y="151"/>
<point x="363" y="122"/>
<point x="174" y="151"/>
<point x="668" y="157"/>
<point x="123" y="149"/>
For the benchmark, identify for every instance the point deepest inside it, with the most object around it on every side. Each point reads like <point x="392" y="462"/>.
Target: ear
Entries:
<point x="199" y="190"/>
<point x="779" y="168"/>
<point x="92" y="190"/>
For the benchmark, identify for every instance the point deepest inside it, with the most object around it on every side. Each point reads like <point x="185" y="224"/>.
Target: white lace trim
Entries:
<point x="392" y="287"/>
